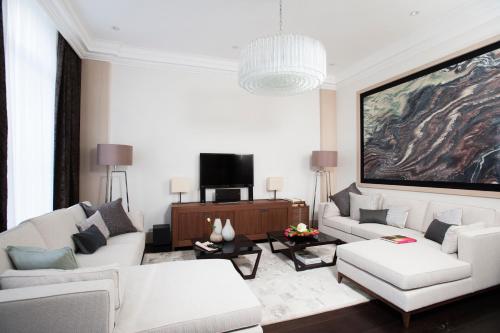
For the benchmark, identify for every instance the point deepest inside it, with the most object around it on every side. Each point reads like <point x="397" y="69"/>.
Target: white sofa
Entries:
<point x="416" y="276"/>
<point x="189" y="296"/>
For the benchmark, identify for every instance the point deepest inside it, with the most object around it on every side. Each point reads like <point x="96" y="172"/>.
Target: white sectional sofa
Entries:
<point x="190" y="296"/>
<point x="416" y="276"/>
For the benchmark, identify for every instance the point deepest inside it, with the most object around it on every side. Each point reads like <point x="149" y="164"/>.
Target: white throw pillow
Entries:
<point x="451" y="216"/>
<point x="99" y="223"/>
<point x="397" y="216"/>
<point x="363" y="201"/>
<point x="331" y="210"/>
<point x="450" y="241"/>
<point x="11" y="279"/>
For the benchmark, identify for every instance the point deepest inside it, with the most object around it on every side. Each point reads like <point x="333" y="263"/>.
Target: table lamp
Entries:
<point x="114" y="155"/>
<point x="180" y="185"/>
<point x="274" y="184"/>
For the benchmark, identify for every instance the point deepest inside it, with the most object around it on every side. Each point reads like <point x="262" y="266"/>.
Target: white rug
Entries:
<point x="285" y="293"/>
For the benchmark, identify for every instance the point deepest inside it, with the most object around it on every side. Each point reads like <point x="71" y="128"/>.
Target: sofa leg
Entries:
<point x="406" y="319"/>
<point x="339" y="277"/>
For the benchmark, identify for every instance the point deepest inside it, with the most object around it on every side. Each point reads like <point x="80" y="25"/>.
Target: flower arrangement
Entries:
<point x="301" y="230"/>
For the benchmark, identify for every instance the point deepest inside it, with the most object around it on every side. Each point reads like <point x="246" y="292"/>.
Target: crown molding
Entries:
<point x="70" y="26"/>
<point x="484" y="20"/>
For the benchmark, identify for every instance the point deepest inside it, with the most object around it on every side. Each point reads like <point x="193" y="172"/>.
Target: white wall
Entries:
<point x="428" y="51"/>
<point x="172" y="115"/>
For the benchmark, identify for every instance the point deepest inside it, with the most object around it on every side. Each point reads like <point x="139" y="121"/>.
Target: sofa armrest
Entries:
<point x="137" y="219"/>
<point x="481" y="248"/>
<point x="329" y="208"/>
<point x="67" y="307"/>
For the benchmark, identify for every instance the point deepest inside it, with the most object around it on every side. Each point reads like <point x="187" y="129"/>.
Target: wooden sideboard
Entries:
<point x="251" y="218"/>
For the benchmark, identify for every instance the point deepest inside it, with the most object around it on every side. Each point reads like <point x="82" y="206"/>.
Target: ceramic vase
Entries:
<point x="216" y="235"/>
<point x="228" y="231"/>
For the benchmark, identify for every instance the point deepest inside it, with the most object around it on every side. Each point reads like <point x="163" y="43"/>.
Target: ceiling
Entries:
<point x="351" y="30"/>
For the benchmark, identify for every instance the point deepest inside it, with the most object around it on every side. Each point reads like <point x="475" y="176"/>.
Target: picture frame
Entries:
<point x="448" y="186"/>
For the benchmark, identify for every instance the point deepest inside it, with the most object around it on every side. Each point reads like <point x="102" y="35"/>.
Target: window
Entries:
<point x="31" y="65"/>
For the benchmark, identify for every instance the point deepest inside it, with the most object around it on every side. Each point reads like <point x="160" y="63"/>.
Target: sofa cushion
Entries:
<point x="131" y="237"/>
<point x="56" y="228"/>
<point x="28" y="257"/>
<point x="437" y="231"/>
<point x="114" y="216"/>
<point x="342" y="200"/>
<point x="416" y="210"/>
<point x="96" y="220"/>
<point x="375" y="230"/>
<point x="216" y="298"/>
<point x="77" y="212"/>
<point x="470" y="214"/>
<point x="88" y="241"/>
<point x="364" y="201"/>
<point x="373" y="216"/>
<point x="125" y="254"/>
<point x="406" y="266"/>
<point x="341" y="223"/>
<point x="25" y="234"/>
<point x="38" y="277"/>
<point x="397" y="216"/>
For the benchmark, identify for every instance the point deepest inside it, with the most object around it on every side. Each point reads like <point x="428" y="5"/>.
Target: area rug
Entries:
<point x="285" y="293"/>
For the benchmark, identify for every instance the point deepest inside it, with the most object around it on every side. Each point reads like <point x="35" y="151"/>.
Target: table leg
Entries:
<point x="271" y="244"/>
<point x="254" y="269"/>
<point x="294" y="259"/>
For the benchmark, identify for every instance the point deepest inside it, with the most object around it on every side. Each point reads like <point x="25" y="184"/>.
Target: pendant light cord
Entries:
<point x="281" y="16"/>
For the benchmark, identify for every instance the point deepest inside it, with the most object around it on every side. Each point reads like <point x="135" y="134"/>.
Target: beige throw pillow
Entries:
<point x="450" y="241"/>
<point x="363" y="201"/>
<point x="331" y="210"/>
<point x="98" y="221"/>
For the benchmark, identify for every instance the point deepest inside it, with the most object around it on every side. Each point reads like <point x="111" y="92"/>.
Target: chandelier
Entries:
<point x="282" y="64"/>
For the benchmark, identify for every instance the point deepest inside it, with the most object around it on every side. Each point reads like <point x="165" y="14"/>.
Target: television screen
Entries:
<point x="226" y="170"/>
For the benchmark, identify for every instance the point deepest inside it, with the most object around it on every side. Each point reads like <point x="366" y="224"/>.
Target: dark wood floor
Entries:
<point x="480" y="313"/>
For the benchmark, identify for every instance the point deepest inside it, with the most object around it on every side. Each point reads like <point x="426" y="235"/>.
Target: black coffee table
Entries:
<point x="240" y="246"/>
<point x="294" y="245"/>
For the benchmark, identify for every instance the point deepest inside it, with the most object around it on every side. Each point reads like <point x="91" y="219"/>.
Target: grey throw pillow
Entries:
<point x="373" y="216"/>
<point x="88" y="241"/>
<point x="25" y="257"/>
<point x="436" y="231"/>
<point x="113" y="215"/>
<point x="342" y="200"/>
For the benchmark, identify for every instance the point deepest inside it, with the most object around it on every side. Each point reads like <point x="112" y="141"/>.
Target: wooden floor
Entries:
<point x="479" y="313"/>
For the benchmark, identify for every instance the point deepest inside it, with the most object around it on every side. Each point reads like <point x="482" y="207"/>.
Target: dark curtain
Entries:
<point x="67" y="131"/>
<point x="3" y="133"/>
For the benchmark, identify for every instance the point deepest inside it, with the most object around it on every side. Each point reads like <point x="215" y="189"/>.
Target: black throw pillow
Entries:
<point x="342" y="200"/>
<point x="437" y="231"/>
<point x="90" y="240"/>
<point x="113" y="215"/>
<point x="373" y="216"/>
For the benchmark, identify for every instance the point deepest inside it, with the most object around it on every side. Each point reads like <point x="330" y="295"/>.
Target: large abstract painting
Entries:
<point x="439" y="127"/>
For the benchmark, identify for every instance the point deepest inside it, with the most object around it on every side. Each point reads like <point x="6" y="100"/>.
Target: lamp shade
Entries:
<point x="324" y="159"/>
<point x="274" y="183"/>
<point x="180" y="185"/>
<point x="111" y="154"/>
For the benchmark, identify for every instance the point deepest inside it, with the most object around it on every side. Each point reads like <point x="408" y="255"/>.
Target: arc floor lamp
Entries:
<point x="113" y="155"/>
<point x="320" y="161"/>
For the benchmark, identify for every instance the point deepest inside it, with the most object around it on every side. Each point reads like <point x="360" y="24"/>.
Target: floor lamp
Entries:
<point x="322" y="159"/>
<point x="112" y="155"/>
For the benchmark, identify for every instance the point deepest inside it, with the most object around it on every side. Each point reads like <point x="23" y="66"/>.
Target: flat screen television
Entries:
<point x="226" y="170"/>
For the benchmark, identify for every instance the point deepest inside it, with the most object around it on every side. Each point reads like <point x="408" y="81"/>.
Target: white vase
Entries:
<point x="228" y="231"/>
<point x="216" y="235"/>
